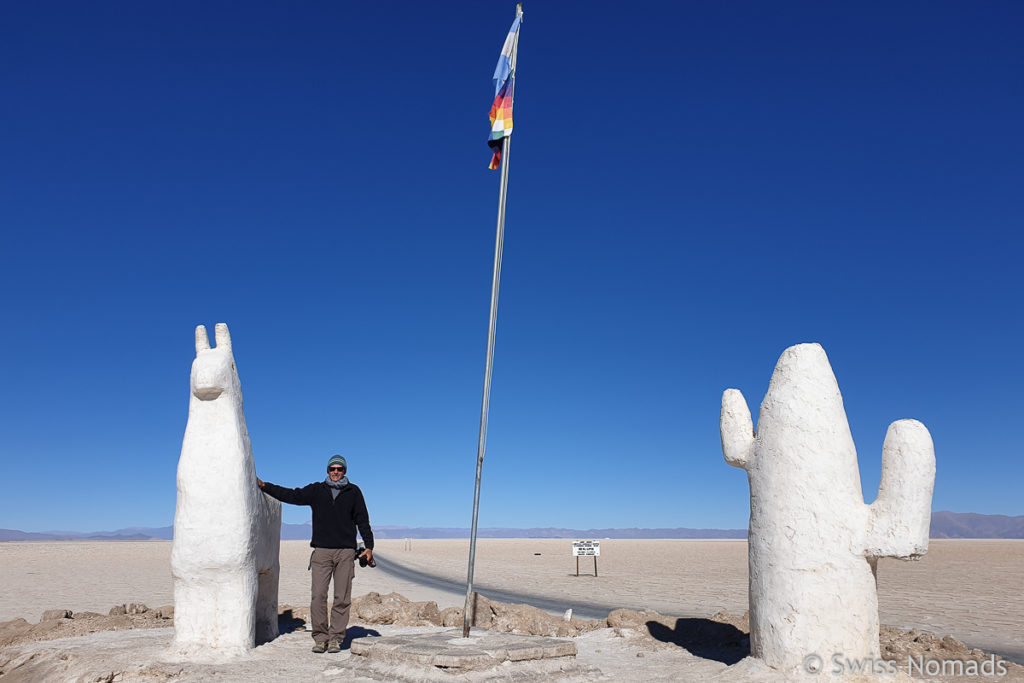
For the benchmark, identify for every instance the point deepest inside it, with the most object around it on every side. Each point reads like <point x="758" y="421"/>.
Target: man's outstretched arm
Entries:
<point x="292" y="496"/>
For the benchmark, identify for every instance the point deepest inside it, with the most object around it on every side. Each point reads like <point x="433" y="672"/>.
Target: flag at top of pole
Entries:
<point x="504" y="79"/>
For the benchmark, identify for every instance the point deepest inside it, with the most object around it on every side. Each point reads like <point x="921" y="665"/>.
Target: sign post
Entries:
<point x="586" y="549"/>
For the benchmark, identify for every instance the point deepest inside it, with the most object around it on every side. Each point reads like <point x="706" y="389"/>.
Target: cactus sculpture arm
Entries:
<point x="900" y="518"/>
<point x="737" y="429"/>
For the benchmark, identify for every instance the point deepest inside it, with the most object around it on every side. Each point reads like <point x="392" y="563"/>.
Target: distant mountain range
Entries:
<point x="289" y="532"/>
<point x="944" y="525"/>
<point x="971" y="525"/>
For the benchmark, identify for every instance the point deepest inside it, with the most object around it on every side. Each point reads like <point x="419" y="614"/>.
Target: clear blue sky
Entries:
<point x="694" y="187"/>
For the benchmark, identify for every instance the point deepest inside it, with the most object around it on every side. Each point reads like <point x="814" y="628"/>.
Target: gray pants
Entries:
<point x="324" y="564"/>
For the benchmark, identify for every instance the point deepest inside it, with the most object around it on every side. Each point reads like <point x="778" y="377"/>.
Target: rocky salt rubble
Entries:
<point x="62" y="623"/>
<point x="647" y="636"/>
<point x="915" y="650"/>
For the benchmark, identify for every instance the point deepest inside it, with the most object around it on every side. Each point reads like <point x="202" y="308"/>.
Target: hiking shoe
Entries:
<point x="333" y="646"/>
<point x="320" y="648"/>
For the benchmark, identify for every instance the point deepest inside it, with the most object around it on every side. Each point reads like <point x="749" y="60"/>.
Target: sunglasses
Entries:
<point x="335" y="469"/>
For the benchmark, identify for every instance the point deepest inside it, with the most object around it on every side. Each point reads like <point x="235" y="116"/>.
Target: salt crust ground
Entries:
<point x="635" y="646"/>
<point x="136" y="656"/>
<point x="967" y="588"/>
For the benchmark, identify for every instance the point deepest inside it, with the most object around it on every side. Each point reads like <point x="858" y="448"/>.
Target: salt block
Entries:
<point x="447" y="650"/>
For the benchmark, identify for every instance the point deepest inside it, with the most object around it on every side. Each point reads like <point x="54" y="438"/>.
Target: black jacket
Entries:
<point x="334" y="519"/>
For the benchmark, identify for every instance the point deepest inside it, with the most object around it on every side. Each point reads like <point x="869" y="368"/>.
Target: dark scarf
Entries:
<point x="336" y="486"/>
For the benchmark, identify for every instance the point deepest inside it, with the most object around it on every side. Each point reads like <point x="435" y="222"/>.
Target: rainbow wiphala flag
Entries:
<point x="501" y="110"/>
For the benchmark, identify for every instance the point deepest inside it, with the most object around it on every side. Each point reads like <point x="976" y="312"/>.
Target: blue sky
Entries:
<point x="694" y="187"/>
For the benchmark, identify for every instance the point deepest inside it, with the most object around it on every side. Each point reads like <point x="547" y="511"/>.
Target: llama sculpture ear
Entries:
<point x="223" y="337"/>
<point x="202" y="341"/>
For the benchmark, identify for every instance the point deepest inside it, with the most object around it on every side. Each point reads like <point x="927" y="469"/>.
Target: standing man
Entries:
<point x="338" y="508"/>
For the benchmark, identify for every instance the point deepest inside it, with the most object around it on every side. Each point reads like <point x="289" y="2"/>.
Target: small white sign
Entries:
<point x="586" y="548"/>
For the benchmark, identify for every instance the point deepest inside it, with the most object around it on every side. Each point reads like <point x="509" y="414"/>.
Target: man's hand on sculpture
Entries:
<point x="259" y="482"/>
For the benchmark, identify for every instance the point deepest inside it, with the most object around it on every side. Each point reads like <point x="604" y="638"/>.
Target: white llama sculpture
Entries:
<point x="813" y="543"/>
<point x="227" y="532"/>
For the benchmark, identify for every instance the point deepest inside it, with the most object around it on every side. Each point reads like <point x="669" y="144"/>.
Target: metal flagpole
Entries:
<point x="485" y="403"/>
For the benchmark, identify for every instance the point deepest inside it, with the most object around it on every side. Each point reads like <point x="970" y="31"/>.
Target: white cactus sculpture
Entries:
<point x="227" y="532"/>
<point x="813" y="542"/>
